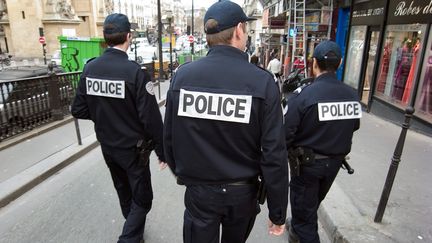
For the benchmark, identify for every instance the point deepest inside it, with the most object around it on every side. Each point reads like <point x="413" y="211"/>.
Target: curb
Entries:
<point x="19" y="184"/>
<point x="34" y="132"/>
<point x="344" y="223"/>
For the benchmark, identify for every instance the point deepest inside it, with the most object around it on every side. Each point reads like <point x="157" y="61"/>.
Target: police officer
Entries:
<point x="223" y="128"/>
<point x="117" y="95"/>
<point x="320" y="123"/>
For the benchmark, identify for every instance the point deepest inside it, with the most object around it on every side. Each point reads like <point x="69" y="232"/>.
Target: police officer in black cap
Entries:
<point x="320" y="123"/>
<point x="117" y="95"/>
<point x="223" y="128"/>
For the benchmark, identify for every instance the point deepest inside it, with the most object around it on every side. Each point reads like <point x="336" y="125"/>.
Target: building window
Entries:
<point x="399" y="63"/>
<point x="423" y="103"/>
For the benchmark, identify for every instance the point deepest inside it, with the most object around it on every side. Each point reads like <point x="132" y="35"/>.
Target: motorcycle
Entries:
<point x="294" y="81"/>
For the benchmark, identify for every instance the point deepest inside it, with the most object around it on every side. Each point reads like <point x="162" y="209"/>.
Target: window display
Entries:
<point x="399" y="63"/>
<point x="354" y="56"/>
<point x="424" y="96"/>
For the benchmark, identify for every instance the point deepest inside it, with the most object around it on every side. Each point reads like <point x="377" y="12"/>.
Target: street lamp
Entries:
<point x="160" y="42"/>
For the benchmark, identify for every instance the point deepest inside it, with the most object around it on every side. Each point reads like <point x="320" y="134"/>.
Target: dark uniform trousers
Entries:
<point x="132" y="181"/>
<point x="208" y="206"/>
<point x="306" y="193"/>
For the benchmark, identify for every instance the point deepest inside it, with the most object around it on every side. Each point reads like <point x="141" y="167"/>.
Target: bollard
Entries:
<point x="393" y="166"/>
<point x="78" y="132"/>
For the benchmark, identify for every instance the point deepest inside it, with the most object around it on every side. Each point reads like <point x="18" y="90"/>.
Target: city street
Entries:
<point x="79" y="204"/>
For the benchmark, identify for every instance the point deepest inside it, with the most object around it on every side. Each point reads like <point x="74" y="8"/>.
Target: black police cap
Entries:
<point x="227" y="14"/>
<point x="324" y="48"/>
<point x="116" y="23"/>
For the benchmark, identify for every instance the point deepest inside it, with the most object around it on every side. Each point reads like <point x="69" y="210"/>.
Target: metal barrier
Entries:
<point x="31" y="102"/>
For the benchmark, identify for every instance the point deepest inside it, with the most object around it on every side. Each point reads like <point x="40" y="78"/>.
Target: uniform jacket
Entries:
<point x="117" y="95"/>
<point x="224" y="123"/>
<point x="332" y="99"/>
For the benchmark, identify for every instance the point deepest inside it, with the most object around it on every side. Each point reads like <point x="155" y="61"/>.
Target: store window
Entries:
<point x="423" y="104"/>
<point x="399" y="63"/>
<point x="354" y="56"/>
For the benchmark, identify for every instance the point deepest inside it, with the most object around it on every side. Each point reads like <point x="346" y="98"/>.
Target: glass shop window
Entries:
<point x="399" y="63"/>
<point x="423" y="103"/>
<point x="355" y="56"/>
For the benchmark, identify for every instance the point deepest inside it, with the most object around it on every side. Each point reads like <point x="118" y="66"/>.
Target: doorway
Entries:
<point x="370" y="62"/>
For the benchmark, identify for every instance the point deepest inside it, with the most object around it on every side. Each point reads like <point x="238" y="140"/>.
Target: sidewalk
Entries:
<point x="28" y="159"/>
<point x="349" y="209"/>
<point x="346" y="214"/>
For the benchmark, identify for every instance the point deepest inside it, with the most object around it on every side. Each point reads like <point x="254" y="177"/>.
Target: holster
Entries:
<point x="299" y="156"/>
<point x="262" y="192"/>
<point x="144" y="149"/>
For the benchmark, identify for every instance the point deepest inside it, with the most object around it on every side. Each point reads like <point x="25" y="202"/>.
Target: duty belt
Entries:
<point x="251" y="181"/>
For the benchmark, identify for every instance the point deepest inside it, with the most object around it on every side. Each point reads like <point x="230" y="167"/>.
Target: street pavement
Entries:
<point x="79" y="204"/>
<point x="352" y="202"/>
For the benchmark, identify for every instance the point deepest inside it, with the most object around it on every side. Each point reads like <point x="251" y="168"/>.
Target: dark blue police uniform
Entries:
<point x="224" y="127"/>
<point x="116" y="94"/>
<point x="321" y="117"/>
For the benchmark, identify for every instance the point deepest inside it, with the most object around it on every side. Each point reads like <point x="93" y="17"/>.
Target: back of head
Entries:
<point x="220" y="20"/>
<point x="328" y="56"/>
<point x="116" y="28"/>
<point x="254" y="59"/>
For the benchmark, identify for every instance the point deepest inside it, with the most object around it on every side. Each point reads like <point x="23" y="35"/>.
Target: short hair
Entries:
<point x="115" y="39"/>
<point x="221" y="38"/>
<point x="330" y="63"/>
<point x="254" y="59"/>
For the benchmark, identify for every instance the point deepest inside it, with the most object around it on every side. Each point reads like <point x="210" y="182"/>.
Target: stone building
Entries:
<point x="21" y="21"/>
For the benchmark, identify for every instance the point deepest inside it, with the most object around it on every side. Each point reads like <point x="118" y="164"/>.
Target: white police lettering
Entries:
<point x="221" y="107"/>
<point x="106" y="88"/>
<point x="339" y="111"/>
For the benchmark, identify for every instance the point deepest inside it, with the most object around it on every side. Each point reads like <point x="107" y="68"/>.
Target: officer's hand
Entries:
<point x="276" y="229"/>
<point x="162" y="165"/>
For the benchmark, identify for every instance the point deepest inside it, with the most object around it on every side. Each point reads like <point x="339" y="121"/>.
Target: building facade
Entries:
<point x="389" y="58"/>
<point x="23" y="22"/>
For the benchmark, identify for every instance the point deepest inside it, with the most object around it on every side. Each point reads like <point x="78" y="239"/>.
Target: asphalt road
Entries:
<point x="79" y="204"/>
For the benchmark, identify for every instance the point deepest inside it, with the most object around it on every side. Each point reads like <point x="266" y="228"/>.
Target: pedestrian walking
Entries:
<point x="117" y="95"/>
<point x="224" y="128"/>
<point x="320" y="121"/>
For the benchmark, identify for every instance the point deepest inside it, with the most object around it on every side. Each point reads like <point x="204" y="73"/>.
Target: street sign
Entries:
<point x="42" y="39"/>
<point x="191" y="39"/>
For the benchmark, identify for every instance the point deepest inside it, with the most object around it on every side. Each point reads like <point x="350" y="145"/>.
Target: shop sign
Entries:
<point x="410" y="11"/>
<point x="368" y="13"/>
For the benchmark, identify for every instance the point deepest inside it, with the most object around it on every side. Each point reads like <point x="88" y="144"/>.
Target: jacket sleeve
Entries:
<point x="274" y="164"/>
<point x="80" y="107"/>
<point x="148" y="111"/>
<point x="169" y="155"/>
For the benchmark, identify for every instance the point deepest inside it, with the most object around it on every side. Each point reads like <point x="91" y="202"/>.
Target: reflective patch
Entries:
<point x="150" y="88"/>
<point x="221" y="107"/>
<point x="105" y="87"/>
<point x="339" y="111"/>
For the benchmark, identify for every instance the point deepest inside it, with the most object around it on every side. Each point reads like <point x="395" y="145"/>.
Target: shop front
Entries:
<point x="366" y="24"/>
<point x="393" y="70"/>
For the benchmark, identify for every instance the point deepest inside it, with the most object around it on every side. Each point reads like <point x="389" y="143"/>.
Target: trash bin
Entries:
<point x="76" y="51"/>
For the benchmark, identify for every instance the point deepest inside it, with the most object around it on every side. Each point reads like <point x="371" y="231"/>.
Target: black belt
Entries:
<point x="322" y="156"/>
<point x="251" y="181"/>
